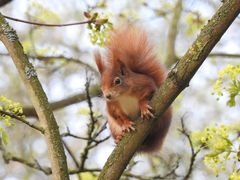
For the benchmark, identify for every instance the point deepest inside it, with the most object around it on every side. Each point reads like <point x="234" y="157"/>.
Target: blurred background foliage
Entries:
<point x="203" y="142"/>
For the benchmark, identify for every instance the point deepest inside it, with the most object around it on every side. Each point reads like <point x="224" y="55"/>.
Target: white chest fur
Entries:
<point x="129" y="105"/>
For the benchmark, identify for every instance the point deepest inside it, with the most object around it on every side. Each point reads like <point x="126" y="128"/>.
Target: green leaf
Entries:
<point x="84" y="111"/>
<point x="228" y="82"/>
<point x="4" y="136"/>
<point x="88" y="176"/>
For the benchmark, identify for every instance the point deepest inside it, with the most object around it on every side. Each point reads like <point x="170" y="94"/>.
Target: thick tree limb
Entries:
<point x="4" y="2"/>
<point x="38" y="97"/>
<point x="177" y="80"/>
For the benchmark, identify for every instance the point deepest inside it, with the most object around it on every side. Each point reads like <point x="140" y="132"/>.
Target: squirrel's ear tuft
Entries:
<point x="122" y="67"/>
<point x="98" y="60"/>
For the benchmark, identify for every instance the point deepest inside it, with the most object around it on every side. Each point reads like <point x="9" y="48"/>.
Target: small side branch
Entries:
<point x="48" y="25"/>
<point x="156" y="177"/>
<point x="224" y="55"/>
<point x="193" y="152"/>
<point x="91" y="125"/>
<point x="71" y="154"/>
<point x="63" y="58"/>
<point x="94" y="91"/>
<point x="35" y="165"/>
<point x="8" y="157"/>
<point x="40" y="129"/>
<point x="171" y="57"/>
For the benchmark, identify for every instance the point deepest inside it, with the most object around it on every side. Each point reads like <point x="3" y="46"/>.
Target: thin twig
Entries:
<point x="98" y="142"/>
<point x="89" y="101"/>
<point x="193" y="152"/>
<point x="35" y="165"/>
<point x="40" y="129"/>
<point x="47" y="25"/>
<point x="77" y="171"/>
<point x="62" y="57"/>
<point x="100" y="131"/>
<point x="171" y="172"/>
<point x="166" y="176"/>
<point x="93" y="138"/>
<point x="71" y="154"/>
<point x="90" y="125"/>
<point x="7" y="156"/>
<point x="68" y="134"/>
<point x="94" y="90"/>
<point x="224" y="55"/>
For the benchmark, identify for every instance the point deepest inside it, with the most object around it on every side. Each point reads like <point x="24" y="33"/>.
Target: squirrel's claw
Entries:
<point x="146" y="113"/>
<point x="128" y="126"/>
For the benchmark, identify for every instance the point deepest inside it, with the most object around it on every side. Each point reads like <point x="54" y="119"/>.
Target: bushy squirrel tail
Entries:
<point x="130" y="45"/>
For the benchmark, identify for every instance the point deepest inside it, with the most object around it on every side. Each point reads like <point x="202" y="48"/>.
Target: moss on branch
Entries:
<point x="39" y="99"/>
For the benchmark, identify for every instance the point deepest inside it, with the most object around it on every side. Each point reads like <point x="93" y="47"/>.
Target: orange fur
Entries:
<point x="130" y="74"/>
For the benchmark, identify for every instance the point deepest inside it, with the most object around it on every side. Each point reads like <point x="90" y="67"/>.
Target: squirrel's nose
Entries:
<point x="108" y="96"/>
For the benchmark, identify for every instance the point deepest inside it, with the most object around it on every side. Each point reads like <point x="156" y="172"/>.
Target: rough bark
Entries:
<point x="38" y="97"/>
<point x="177" y="80"/>
<point x="4" y="2"/>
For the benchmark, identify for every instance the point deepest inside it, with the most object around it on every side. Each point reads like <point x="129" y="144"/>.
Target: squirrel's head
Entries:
<point x="114" y="81"/>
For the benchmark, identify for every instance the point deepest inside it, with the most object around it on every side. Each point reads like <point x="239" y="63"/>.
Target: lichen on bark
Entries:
<point x="39" y="99"/>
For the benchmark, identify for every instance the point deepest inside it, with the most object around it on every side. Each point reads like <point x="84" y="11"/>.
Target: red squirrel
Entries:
<point x="130" y="74"/>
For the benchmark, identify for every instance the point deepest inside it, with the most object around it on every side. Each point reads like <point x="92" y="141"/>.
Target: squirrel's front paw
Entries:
<point x="128" y="126"/>
<point x="118" y="138"/>
<point x="146" y="109"/>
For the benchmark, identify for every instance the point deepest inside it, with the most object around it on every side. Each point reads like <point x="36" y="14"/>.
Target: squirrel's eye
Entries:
<point x="117" y="81"/>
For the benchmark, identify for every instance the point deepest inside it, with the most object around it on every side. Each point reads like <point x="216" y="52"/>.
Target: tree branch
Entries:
<point x="60" y="57"/>
<point x="48" y="25"/>
<point x="67" y="59"/>
<point x="224" y="55"/>
<point x="38" y="97"/>
<point x="94" y="91"/>
<point x="4" y="2"/>
<point x="7" y="156"/>
<point x="70" y="152"/>
<point x="91" y="126"/>
<point x="40" y="129"/>
<point x="171" y="57"/>
<point x="166" y="176"/>
<point x="193" y="152"/>
<point x="177" y="80"/>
